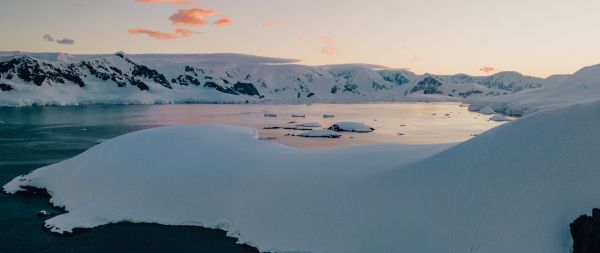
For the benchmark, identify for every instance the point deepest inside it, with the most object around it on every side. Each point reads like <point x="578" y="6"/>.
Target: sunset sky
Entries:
<point x="535" y="37"/>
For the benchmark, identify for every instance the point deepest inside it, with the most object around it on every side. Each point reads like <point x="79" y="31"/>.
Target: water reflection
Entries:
<point x="400" y="123"/>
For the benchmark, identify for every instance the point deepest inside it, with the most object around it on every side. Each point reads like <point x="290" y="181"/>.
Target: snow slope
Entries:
<point x="514" y="188"/>
<point x="63" y="79"/>
<point x="558" y="91"/>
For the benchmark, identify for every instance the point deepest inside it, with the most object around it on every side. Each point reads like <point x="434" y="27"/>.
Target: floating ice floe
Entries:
<point x="309" y="124"/>
<point x="299" y="128"/>
<point x="500" y="118"/>
<point x="321" y="134"/>
<point x="351" y="127"/>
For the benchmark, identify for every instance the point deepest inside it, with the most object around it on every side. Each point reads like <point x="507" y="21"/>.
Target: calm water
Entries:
<point x="39" y="136"/>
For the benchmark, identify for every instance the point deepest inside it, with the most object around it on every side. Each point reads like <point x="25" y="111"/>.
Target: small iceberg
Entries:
<point x="351" y="127"/>
<point x="299" y="128"/>
<point x="500" y="118"/>
<point x="270" y="115"/>
<point x="487" y="110"/>
<point x="320" y="134"/>
<point x="309" y="124"/>
<point x="43" y="213"/>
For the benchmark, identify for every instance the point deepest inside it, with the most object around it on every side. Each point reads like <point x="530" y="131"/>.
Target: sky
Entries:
<point x="478" y="37"/>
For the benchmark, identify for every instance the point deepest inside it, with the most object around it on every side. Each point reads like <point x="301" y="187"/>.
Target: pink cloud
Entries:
<point x="175" y="2"/>
<point x="271" y="24"/>
<point x="184" y="32"/>
<point x="326" y="38"/>
<point x="195" y="16"/>
<point x="223" y="21"/>
<point x="330" y="50"/>
<point x="154" y="34"/>
<point x="488" y="70"/>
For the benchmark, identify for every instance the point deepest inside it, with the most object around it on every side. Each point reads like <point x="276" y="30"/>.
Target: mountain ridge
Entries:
<point x="229" y="78"/>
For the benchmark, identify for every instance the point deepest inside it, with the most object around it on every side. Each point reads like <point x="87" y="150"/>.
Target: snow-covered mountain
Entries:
<point x="558" y="91"/>
<point x="55" y="78"/>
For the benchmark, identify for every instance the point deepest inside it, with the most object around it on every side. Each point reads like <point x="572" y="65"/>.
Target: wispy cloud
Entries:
<point x="223" y="21"/>
<point x="326" y="38"/>
<point x="175" y="2"/>
<point x="488" y="70"/>
<point x="191" y="17"/>
<point x="271" y="24"/>
<point x="154" y="34"/>
<point x="330" y="50"/>
<point x="184" y="32"/>
<point x="48" y="37"/>
<point x="66" y="41"/>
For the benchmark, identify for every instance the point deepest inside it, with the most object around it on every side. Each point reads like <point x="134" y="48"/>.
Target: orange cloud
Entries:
<point x="154" y="34"/>
<point x="330" y="50"/>
<point x="184" y="32"/>
<point x="175" y="2"/>
<point x="326" y="38"/>
<point x="271" y="24"/>
<point x="195" y="16"/>
<point x="223" y="21"/>
<point x="488" y="70"/>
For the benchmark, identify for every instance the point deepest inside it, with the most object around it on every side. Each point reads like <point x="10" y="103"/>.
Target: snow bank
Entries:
<point x="351" y="127"/>
<point x="557" y="92"/>
<point x="515" y="188"/>
<point x="487" y="110"/>
<point x="321" y="134"/>
<point x="500" y="118"/>
<point x="214" y="176"/>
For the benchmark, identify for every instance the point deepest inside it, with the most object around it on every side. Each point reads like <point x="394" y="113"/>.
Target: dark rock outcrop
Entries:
<point x="5" y="87"/>
<point x="585" y="231"/>
<point x="429" y="85"/>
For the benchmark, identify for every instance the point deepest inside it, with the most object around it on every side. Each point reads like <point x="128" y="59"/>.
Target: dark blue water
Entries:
<point x="34" y="137"/>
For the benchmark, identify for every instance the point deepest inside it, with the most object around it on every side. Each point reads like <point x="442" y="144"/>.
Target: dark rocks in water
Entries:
<point x="5" y="87"/>
<point x="585" y="231"/>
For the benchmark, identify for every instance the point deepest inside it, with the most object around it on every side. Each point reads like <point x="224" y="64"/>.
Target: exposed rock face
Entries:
<point x="429" y="85"/>
<point x="394" y="77"/>
<point x="287" y="83"/>
<point x="32" y="70"/>
<point x="5" y="87"/>
<point x="586" y="233"/>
